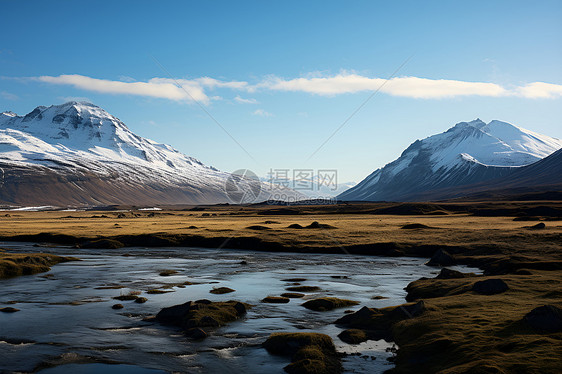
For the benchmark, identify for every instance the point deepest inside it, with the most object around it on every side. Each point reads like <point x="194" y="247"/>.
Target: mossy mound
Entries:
<point x="377" y="323"/>
<point x="276" y="300"/>
<point x="310" y="352"/>
<point x="167" y="272"/>
<point x="9" y="309"/>
<point x="293" y="295"/>
<point x="202" y="314"/>
<point x="303" y="288"/>
<point x="221" y="290"/>
<point x="16" y="264"/>
<point x="353" y="336"/>
<point x="328" y="303"/>
<point x="157" y="291"/>
<point x="126" y="297"/>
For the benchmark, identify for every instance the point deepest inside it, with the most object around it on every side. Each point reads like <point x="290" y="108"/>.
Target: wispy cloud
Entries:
<point x="9" y="96"/>
<point x="316" y="84"/>
<point x="241" y="100"/>
<point x="156" y="87"/>
<point x="261" y="113"/>
<point x="419" y="88"/>
<point x="540" y="90"/>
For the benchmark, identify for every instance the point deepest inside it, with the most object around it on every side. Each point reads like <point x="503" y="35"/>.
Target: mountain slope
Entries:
<point x="468" y="153"/>
<point x="78" y="154"/>
<point x="542" y="177"/>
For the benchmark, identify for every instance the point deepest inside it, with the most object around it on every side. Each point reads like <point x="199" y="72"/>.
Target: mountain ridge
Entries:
<point x="467" y="153"/>
<point x="93" y="158"/>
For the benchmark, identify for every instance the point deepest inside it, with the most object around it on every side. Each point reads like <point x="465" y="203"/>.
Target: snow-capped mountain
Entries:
<point x="78" y="154"/>
<point x="469" y="152"/>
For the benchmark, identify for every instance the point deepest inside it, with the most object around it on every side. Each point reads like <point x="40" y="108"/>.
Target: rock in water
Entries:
<point x="200" y="314"/>
<point x="441" y="258"/>
<point x="450" y="274"/>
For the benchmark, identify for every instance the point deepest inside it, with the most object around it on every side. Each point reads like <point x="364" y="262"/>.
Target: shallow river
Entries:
<point x="63" y="313"/>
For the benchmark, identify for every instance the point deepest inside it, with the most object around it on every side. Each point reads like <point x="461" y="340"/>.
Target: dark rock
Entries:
<point x="102" y="244"/>
<point x="409" y="310"/>
<point x="328" y="303"/>
<point x="295" y="226"/>
<point x="412" y="226"/>
<point x="441" y="258"/>
<point x="173" y="315"/>
<point x="276" y="300"/>
<point x="303" y="288"/>
<point x="538" y="226"/>
<point x="361" y="315"/>
<point x="240" y="308"/>
<point x="490" y="287"/>
<point x="209" y="321"/>
<point x="546" y="318"/>
<point x="117" y="306"/>
<point x="9" y="309"/>
<point x="204" y="301"/>
<point x="141" y="300"/>
<point x="450" y="274"/>
<point x="196" y="333"/>
<point x="126" y="297"/>
<point x="292" y="295"/>
<point x="353" y="336"/>
<point x="221" y="290"/>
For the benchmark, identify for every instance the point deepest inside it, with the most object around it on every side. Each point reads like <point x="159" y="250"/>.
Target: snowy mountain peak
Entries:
<point x="467" y="152"/>
<point x="86" y="131"/>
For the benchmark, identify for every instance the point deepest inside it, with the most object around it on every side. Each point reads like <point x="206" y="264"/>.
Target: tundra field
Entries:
<point x="459" y="328"/>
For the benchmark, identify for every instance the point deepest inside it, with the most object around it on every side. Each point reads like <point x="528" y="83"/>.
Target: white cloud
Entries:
<point x="540" y="90"/>
<point x="261" y="113"/>
<point x="401" y="86"/>
<point x="9" y="96"/>
<point x="316" y="83"/>
<point x="241" y="100"/>
<point x="156" y="87"/>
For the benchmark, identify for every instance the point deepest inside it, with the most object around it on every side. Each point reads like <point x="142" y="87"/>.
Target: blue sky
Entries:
<point x="282" y="77"/>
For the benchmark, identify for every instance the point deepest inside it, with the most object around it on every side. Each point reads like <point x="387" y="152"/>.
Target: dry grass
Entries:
<point x="459" y="331"/>
<point x="462" y="331"/>
<point x="15" y="264"/>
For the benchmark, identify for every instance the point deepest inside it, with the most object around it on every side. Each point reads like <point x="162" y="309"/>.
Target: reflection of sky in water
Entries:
<point x="91" y="328"/>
